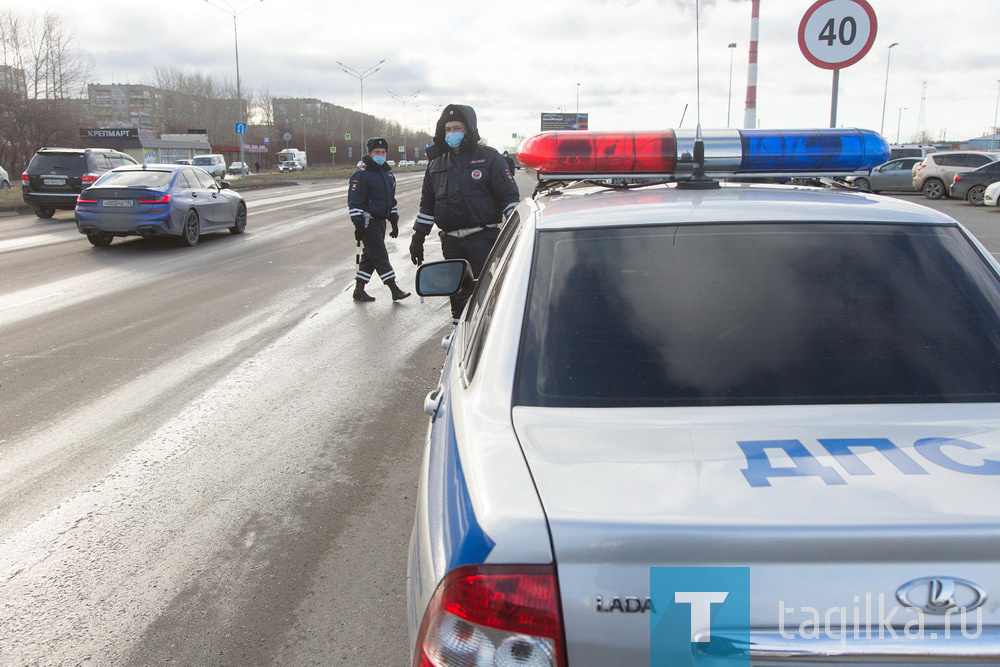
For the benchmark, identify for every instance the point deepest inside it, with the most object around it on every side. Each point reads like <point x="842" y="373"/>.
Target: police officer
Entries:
<point x="468" y="191"/>
<point x="371" y="199"/>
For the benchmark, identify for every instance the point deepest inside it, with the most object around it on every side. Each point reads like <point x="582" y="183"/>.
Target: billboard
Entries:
<point x="564" y="121"/>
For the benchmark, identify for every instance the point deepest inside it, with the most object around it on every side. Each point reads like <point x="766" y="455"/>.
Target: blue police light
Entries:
<point x="727" y="153"/>
<point x="781" y="151"/>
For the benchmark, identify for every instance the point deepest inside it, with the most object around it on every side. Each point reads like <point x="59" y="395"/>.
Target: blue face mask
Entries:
<point x="454" y="139"/>
<point x="379" y="159"/>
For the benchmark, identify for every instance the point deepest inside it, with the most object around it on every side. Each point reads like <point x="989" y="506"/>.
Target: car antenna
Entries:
<point x="698" y="180"/>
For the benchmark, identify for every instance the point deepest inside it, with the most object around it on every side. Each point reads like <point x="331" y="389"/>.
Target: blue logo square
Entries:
<point x="697" y="603"/>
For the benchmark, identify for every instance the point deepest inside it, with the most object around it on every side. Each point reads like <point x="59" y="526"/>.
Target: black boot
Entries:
<point x="359" y="292"/>
<point x="397" y="294"/>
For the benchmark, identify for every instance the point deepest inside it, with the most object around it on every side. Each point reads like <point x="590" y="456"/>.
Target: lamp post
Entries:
<point x="885" y="94"/>
<point x="360" y="76"/>
<point x="899" y="121"/>
<point x="305" y="134"/>
<point x="404" y="100"/>
<point x="234" y="11"/>
<point x="993" y="139"/>
<point x="729" y="102"/>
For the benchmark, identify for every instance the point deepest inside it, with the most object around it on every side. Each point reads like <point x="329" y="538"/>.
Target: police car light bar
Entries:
<point x="669" y="153"/>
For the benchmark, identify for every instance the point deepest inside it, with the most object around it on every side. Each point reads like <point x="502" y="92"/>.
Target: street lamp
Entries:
<point x="360" y="76"/>
<point x="305" y="133"/>
<point x="885" y="94"/>
<point x="993" y="139"/>
<point x="729" y="102"/>
<point x="899" y="121"/>
<point x="404" y="100"/>
<point x="234" y="11"/>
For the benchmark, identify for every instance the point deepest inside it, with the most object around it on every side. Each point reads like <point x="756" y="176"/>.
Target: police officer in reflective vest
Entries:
<point x="372" y="200"/>
<point x="468" y="192"/>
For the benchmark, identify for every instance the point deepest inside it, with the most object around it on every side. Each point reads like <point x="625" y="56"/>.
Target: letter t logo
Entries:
<point x="701" y="609"/>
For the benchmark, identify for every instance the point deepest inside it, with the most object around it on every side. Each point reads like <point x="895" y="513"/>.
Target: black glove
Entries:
<point x="417" y="248"/>
<point x="359" y="233"/>
<point x="394" y="232"/>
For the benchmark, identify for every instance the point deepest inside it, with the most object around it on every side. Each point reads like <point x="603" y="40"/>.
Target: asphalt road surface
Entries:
<point x="209" y="455"/>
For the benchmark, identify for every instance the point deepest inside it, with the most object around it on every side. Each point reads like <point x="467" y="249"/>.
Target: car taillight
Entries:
<point x="920" y="166"/>
<point x="958" y="177"/>
<point x="89" y="178"/>
<point x="80" y="200"/>
<point x="493" y="615"/>
<point x="165" y="199"/>
<point x="24" y="179"/>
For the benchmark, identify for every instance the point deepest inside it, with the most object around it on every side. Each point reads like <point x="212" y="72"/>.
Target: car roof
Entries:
<point x="151" y="167"/>
<point x="667" y="204"/>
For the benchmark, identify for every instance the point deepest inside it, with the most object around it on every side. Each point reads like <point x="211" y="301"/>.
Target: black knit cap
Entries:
<point x="377" y="142"/>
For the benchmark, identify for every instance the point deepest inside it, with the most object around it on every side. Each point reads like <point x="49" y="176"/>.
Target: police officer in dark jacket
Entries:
<point x="372" y="200"/>
<point x="468" y="192"/>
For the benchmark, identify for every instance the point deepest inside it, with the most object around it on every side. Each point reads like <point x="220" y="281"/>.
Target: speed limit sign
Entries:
<point x="835" y="34"/>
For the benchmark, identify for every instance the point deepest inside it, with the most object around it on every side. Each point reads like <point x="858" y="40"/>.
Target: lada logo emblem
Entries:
<point x="939" y="595"/>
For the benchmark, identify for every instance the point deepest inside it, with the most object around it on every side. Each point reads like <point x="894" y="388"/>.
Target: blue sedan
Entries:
<point x="158" y="200"/>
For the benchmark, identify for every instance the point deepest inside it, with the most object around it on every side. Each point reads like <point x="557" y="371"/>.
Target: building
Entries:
<point x="125" y="105"/>
<point x="12" y="79"/>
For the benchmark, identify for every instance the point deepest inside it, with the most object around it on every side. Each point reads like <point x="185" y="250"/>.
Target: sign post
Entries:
<point x="835" y="34"/>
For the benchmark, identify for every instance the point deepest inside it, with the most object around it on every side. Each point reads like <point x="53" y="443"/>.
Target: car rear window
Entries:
<point x="144" y="178"/>
<point x="74" y="164"/>
<point x="203" y="161"/>
<point x="758" y="314"/>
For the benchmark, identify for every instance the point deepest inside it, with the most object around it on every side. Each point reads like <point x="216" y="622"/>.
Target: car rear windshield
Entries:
<point x="58" y="163"/>
<point x="144" y="178"/>
<point x="202" y="160"/>
<point x="759" y="314"/>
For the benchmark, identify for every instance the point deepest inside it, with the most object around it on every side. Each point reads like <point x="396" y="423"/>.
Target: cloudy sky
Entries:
<point x="632" y="62"/>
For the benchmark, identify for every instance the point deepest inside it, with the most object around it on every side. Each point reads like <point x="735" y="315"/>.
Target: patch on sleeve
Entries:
<point x="354" y="185"/>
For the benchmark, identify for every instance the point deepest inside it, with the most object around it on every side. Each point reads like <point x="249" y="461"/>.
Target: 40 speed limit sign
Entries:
<point x="835" y="34"/>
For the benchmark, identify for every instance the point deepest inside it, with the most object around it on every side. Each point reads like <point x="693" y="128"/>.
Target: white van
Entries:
<point x="213" y="163"/>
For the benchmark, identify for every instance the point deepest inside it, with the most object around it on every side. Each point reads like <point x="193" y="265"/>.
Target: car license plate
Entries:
<point x="54" y="181"/>
<point x="119" y="203"/>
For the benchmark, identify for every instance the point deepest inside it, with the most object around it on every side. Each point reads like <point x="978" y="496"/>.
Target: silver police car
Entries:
<point x="684" y="422"/>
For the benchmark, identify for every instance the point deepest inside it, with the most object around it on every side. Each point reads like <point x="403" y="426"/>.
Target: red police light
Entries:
<point x="588" y="153"/>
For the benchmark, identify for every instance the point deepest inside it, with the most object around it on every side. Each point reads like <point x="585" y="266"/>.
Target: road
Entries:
<point x="209" y="455"/>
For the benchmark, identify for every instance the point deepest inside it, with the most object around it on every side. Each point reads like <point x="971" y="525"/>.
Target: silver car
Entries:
<point x="894" y="175"/>
<point x="687" y="420"/>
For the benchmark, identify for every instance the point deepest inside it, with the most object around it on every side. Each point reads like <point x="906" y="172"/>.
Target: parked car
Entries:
<point x="182" y="161"/>
<point x="422" y="163"/>
<point x="241" y="168"/>
<point x="158" y="200"/>
<point x="935" y="173"/>
<point x="892" y="175"/>
<point x="391" y="163"/>
<point x="991" y="196"/>
<point x="56" y="176"/>
<point x="971" y="185"/>
<point x="289" y="165"/>
<point x="213" y="163"/>
<point x="4" y="179"/>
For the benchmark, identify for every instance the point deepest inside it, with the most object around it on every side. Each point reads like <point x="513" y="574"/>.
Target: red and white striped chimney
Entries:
<point x="750" y="116"/>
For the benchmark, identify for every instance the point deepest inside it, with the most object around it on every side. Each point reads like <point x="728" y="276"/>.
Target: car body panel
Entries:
<point x="991" y="197"/>
<point x="895" y="174"/>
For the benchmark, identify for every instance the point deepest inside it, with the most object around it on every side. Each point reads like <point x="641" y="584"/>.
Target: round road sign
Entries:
<point x="835" y="34"/>
<point x="287" y="136"/>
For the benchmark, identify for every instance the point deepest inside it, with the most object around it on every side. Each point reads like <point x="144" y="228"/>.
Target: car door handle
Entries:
<point x="194" y="194"/>
<point x="432" y="402"/>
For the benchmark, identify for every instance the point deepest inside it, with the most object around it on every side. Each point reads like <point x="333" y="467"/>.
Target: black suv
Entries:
<point x="55" y="176"/>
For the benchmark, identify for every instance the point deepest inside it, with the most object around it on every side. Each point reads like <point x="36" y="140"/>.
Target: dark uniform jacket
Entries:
<point x="372" y="190"/>
<point x="469" y="189"/>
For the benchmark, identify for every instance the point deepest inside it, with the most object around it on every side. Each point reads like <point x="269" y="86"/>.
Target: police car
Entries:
<point x="690" y="422"/>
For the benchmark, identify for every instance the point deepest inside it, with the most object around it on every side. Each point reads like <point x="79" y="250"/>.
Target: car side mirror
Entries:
<point x="444" y="278"/>
<point x="224" y="185"/>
